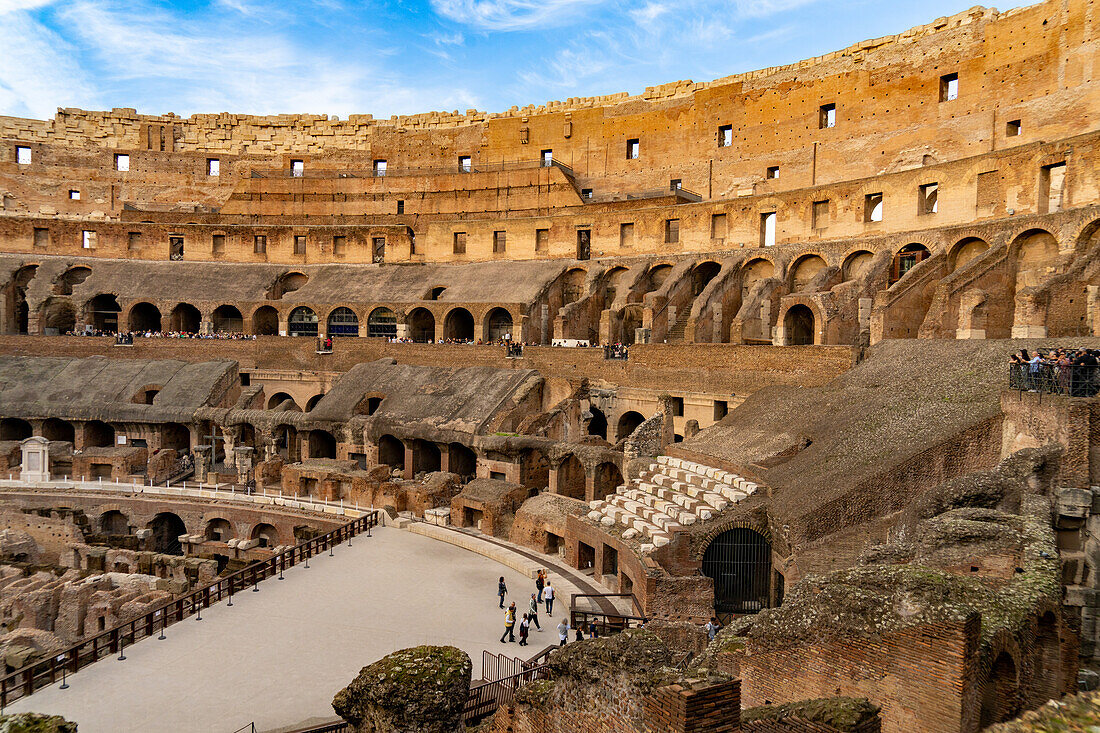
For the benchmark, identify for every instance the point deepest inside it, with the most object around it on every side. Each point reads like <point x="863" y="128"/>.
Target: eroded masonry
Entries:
<point x="737" y="348"/>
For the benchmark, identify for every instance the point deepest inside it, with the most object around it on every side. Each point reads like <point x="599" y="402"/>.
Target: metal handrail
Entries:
<point x="485" y="698"/>
<point x="1074" y="380"/>
<point x="29" y="678"/>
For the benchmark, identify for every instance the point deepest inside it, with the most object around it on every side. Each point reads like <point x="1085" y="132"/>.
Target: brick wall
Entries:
<point x="797" y="725"/>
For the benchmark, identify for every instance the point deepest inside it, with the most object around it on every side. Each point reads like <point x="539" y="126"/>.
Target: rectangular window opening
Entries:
<point x="299" y="244"/>
<point x="259" y="244"/>
<point x="465" y="164"/>
<point x="718" y="226"/>
<point x="1013" y="128"/>
<point x="217" y="244"/>
<point x="379" y="168"/>
<point x="928" y="199"/>
<point x="827" y="116"/>
<point x="460" y="243"/>
<point x="89" y="239"/>
<point x="339" y="245"/>
<point x="547" y="158"/>
<point x="767" y="229"/>
<point x="672" y="231"/>
<point x="1052" y="179"/>
<point x="213" y="167"/>
<point x="872" y="207"/>
<point x="626" y="235"/>
<point x="400" y="207"/>
<point x="297" y="168"/>
<point x="820" y="214"/>
<point x="586" y="194"/>
<point x="949" y="87"/>
<point x="725" y="136"/>
<point x="721" y="409"/>
<point x="122" y="162"/>
<point x="500" y="242"/>
<point x="133" y="241"/>
<point x="22" y="155"/>
<point x="676" y="184"/>
<point x="41" y="237"/>
<point x="677" y="406"/>
<point x="542" y="240"/>
<point x="74" y="195"/>
<point x="633" y="148"/>
<point x="378" y="250"/>
<point x="772" y="173"/>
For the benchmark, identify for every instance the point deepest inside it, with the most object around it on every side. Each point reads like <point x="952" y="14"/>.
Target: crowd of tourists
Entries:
<point x="542" y="598"/>
<point x="1072" y="372"/>
<point x="127" y="337"/>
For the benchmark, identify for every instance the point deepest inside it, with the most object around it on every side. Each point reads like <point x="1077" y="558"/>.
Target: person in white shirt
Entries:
<point x="563" y="632"/>
<point x="548" y="597"/>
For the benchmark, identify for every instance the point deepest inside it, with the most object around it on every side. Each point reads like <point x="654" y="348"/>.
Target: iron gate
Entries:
<point x="739" y="561"/>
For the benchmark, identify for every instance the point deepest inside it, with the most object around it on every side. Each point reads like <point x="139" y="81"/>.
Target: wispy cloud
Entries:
<point x="38" y="73"/>
<point x="511" y="15"/>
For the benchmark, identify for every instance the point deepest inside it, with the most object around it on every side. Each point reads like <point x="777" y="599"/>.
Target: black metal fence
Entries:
<point x="25" y="680"/>
<point x="1078" y="380"/>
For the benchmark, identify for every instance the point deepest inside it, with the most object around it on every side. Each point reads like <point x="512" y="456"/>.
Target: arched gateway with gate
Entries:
<point x="739" y="561"/>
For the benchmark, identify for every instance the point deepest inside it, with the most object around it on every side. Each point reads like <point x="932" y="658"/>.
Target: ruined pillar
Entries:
<point x="1093" y="309"/>
<point x="544" y="324"/>
<point x="409" y="473"/>
<point x="242" y="459"/>
<point x="201" y="455"/>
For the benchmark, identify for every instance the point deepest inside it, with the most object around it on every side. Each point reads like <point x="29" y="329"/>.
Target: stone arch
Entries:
<point x="906" y="258"/>
<point x="322" y="444"/>
<point x="114" y="522"/>
<point x="174" y="436"/>
<point x="288" y="282"/>
<point x="1000" y="691"/>
<point x="265" y="321"/>
<point x="279" y="398"/>
<point x="342" y="322"/>
<point x="421" y="325"/>
<point x="101" y="311"/>
<point x="167" y="528"/>
<point x="302" y="322"/>
<point x="286" y="442"/>
<point x="64" y="283"/>
<point x="312" y="401"/>
<point x="426" y="456"/>
<point x="628" y="423"/>
<point x="607" y="479"/>
<point x="753" y="271"/>
<point x="56" y="429"/>
<point x="972" y="314"/>
<point x="614" y="284"/>
<point x="572" y="285"/>
<point x="18" y="296"/>
<point x="965" y="250"/>
<point x="498" y="324"/>
<point x="571" y="478"/>
<point x="632" y="321"/>
<point x="461" y="460"/>
<point x="800" y="326"/>
<point x="143" y="317"/>
<point x="98" y="434"/>
<point x="58" y="314"/>
<point x="458" y="325"/>
<point x="597" y="424"/>
<point x="656" y="277"/>
<point x="227" y="319"/>
<point x="738" y="560"/>
<point x="856" y="264"/>
<point x="391" y="452"/>
<point x="266" y="534"/>
<point x="382" y="323"/>
<point x="803" y="270"/>
<point x="218" y="530"/>
<point x="1086" y="236"/>
<point x="184" y="318"/>
<point x="1035" y="253"/>
<point x="702" y="274"/>
<point x="14" y="428"/>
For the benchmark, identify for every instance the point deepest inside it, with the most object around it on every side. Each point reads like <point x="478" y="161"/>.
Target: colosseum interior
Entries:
<point x="736" y="349"/>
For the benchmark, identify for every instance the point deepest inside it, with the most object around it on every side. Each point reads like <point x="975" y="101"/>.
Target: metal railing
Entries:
<point x="606" y="622"/>
<point x="27" y="679"/>
<point x="616" y="352"/>
<point x="1078" y="380"/>
<point x="485" y="698"/>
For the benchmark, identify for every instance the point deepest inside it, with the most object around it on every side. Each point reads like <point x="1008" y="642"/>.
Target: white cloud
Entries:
<point x="38" y="73"/>
<point x="510" y="15"/>
<point x="761" y="8"/>
<point x="12" y="6"/>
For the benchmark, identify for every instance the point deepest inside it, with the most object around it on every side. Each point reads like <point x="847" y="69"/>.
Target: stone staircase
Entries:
<point x="676" y="333"/>
<point x="672" y="493"/>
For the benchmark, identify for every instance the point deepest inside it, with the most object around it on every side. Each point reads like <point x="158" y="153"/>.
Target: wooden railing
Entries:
<point x="25" y="680"/>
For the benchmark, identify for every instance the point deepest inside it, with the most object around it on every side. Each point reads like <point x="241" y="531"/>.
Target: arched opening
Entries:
<point x="799" y="325"/>
<point x="322" y="444"/>
<point x="608" y="479"/>
<point x="287" y="283"/>
<point x="570" y="478"/>
<point x="20" y="281"/>
<point x="632" y="321"/>
<point x="753" y="272"/>
<point x="279" y="398"/>
<point x="343" y="322"/>
<point x="227" y="319"/>
<point x="312" y="401"/>
<point x="1036" y="256"/>
<point x="656" y="277"/>
<point x="302" y="322"/>
<point x="382" y="323"/>
<point x="906" y="259"/>
<point x="421" y="325"/>
<point x="739" y="561"/>
<point x="856" y="264"/>
<point x="218" y="530"/>
<point x="102" y="312"/>
<point x="144" y="317"/>
<point x="498" y="325"/>
<point x="426" y="457"/>
<point x="458" y="325"/>
<point x="58" y="316"/>
<point x="167" y="528"/>
<point x="534" y="468"/>
<point x="435" y="293"/>
<point x="73" y="276"/>
<point x="597" y="425"/>
<point x="114" y="523"/>
<point x="185" y="318"/>
<point x="267" y="535"/>
<point x="265" y="321"/>
<point x="702" y="274"/>
<point x="286" y="443"/>
<point x="461" y="460"/>
<point x="60" y="430"/>
<point x="391" y="452"/>
<point x="628" y="423"/>
<point x="12" y="428"/>
<point x="614" y="285"/>
<point x="1048" y="661"/>
<point x="174" y="436"/>
<point x="1000" y="701"/>
<point x="964" y="251"/>
<point x="803" y="272"/>
<point x="572" y="285"/>
<point x="98" y="434"/>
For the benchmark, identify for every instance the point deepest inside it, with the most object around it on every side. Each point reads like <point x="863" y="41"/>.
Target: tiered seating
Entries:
<point x="670" y="494"/>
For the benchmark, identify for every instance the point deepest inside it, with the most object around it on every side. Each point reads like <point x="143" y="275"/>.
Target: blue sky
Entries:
<point x="386" y="57"/>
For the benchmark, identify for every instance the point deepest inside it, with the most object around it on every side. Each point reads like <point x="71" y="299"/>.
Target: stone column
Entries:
<point x="201" y="455"/>
<point x="545" y="324"/>
<point x="243" y="460"/>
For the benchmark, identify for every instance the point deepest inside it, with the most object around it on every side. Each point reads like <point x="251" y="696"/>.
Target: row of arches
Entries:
<point x="168" y="526"/>
<point x="628" y="422"/>
<point x="93" y="433"/>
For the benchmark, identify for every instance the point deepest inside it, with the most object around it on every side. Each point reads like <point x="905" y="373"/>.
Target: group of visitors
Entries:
<point x="544" y="594"/>
<point x="1072" y="372"/>
<point x="128" y="337"/>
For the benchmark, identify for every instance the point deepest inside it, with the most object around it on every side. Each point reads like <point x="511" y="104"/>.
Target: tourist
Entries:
<point x="563" y="632"/>
<point x="509" y="624"/>
<point x="533" y="613"/>
<point x="593" y="632"/>
<point x="502" y="590"/>
<point x="548" y="597"/>
<point x="524" y="630"/>
<point x="712" y="628"/>
<point x="580" y="631"/>
<point x="540" y="583"/>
